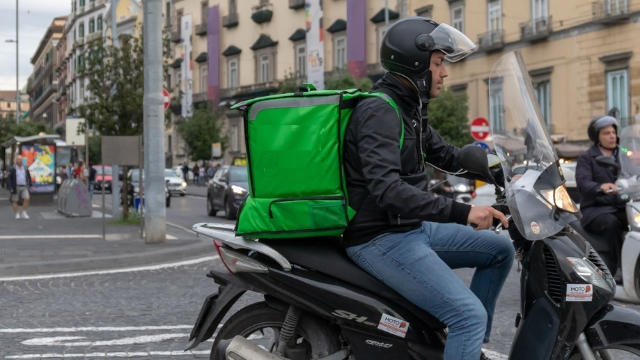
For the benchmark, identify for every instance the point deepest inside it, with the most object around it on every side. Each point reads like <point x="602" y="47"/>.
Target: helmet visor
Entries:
<point x="454" y="44"/>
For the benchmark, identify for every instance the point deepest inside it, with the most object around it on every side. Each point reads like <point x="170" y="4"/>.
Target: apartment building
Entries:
<point x="580" y="54"/>
<point x="43" y="84"/>
<point x="8" y="104"/>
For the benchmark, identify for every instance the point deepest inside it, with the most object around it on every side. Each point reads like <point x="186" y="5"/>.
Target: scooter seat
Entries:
<point x="327" y="255"/>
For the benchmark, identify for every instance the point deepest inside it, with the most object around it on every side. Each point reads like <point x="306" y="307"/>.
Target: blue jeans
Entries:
<point x="90" y="188"/>
<point x="418" y="264"/>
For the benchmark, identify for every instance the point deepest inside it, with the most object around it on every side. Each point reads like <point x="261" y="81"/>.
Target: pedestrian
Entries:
<point x="19" y="184"/>
<point x="185" y="172"/>
<point x="401" y="234"/>
<point x="92" y="180"/>
<point x="70" y="171"/>
<point x="64" y="173"/>
<point x="79" y="172"/>
<point x="196" y="173"/>
<point x="210" y="172"/>
<point x="201" y="176"/>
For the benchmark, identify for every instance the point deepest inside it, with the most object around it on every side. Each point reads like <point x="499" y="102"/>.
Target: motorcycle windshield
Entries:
<point x="536" y="196"/>
<point x="629" y="151"/>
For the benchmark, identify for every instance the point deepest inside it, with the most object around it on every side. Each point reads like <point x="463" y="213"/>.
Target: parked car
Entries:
<point x="107" y="178"/>
<point x="134" y="188"/>
<point x="175" y="183"/>
<point x="226" y="191"/>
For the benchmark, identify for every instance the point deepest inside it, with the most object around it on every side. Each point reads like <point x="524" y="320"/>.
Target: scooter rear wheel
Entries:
<point x="261" y="324"/>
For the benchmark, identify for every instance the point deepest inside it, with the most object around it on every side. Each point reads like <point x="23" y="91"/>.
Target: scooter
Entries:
<point x="628" y="186"/>
<point x="319" y="305"/>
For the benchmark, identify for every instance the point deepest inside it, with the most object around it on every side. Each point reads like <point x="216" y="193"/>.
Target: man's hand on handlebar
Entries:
<point x="609" y="188"/>
<point x="481" y="217"/>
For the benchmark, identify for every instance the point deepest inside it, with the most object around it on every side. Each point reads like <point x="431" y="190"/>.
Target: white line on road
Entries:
<point x="85" y="236"/>
<point x="110" y="354"/>
<point x="113" y="271"/>
<point x="495" y="355"/>
<point x="103" y="328"/>
<point x="60" y="340"/>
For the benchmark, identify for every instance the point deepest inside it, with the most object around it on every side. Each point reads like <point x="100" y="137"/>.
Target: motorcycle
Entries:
<point x="319" y="305"/>
<point x="628" y="184"/>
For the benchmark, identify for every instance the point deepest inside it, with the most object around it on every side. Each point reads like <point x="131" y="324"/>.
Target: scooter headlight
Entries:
<point x="560" y="198"/>
<point x="591" y="274"/>
<point x="634" y="218"/>
<point x="462" y="188"/>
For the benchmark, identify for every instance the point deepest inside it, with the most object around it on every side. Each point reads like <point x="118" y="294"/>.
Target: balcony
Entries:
<point x="491" y="40"/>
<point x="296" y="4"/>
<point x="78" y="43"/>
<point x="80" y="10"/>
<point x="535" y="29"/>
<point x="262" y="13"/>
<point x="250" y="91"/>
<point x="230" y="20"/>
<point x="201" y="29"/>
<point x="93" y="36"/>
<point x="91" y="5"/>
<point x="610" y="11"/>
<point x="200" y="97"/>
<point x="176" y="36"/>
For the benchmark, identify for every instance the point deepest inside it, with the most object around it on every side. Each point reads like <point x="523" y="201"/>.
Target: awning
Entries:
<point x="231" y="50"/>
<point x="338" y="25"/>
<point x="27" y="139"/>
<point x="263" y="41"/>
<point x="176" y="63"/>
<point x="298" y="35"/>
<point x="379" y="17"/>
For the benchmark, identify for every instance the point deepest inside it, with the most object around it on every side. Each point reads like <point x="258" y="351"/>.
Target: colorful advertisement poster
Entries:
<point x="186" y="67"/>
<point x="40" y="160"/>
<point x="315" y="44"/>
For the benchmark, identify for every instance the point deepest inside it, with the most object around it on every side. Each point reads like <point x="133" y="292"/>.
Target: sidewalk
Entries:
<point x="51" y="243"/>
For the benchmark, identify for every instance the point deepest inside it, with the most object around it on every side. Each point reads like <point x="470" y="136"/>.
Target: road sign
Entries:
<point x="166" y="98"/>
<point x="483" y="145"/>
<point x="480" y="128"/>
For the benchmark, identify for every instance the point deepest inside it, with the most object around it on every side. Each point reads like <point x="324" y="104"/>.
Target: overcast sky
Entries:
<point x="35" y="18"/>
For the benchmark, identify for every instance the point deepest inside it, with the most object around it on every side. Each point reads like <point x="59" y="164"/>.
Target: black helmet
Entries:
<point x="598" y="123"/>
<point x="407" y="46"/>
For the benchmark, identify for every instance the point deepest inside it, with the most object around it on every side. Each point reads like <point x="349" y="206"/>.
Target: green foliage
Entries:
<point x="107" y="68"/>
<point x="347" y="81"/>
<point x="448" y="115"/>
<point x="95" y="150"/>
<point x="200" y="131"/>
<point x="9" y="128"/>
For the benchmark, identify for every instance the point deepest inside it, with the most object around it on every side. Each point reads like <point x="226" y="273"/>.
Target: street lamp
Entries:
<point x="17" y="71"/>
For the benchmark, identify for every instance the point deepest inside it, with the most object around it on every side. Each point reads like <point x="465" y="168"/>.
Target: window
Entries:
<point x="494" y="10"/>
<point x="615" y="7"/>
<point x="233" y="73"/>
<point x="539" y="9"/>
<point x="457" y="15"/>
<point x="74" y="35"/>
<point x="167" y="19"/>
<point x="618" y="93"/>
<point x="264" y="68"/>
<point x="92" y="25"/>
<point x="204" y="6"/>
<point x="82" y="2"/>
<point x="99" y="23"/>
<point x="81" y="30"/>
<point x="542" y="90"/>
<point x="204" y="78"/>
<point x="340" y="57"/>
<point x="234" y="137"/>
<point x="301" y="60"/>
<point x="496" y="118"/>
<point x="425" y="11"/>
<point x="233" y="8"/>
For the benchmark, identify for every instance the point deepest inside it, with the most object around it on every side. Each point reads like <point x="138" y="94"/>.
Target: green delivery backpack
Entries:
<point x="294" y="143"/>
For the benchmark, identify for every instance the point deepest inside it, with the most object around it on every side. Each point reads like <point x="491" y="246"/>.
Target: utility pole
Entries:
<point x="115" y="181"/>
<point x="17" y="71"/>
<point x="155" y="212"/>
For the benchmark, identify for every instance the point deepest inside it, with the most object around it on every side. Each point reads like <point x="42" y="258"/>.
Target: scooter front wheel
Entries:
<point x="613" y="353"/>
<point x="261" y="324"/>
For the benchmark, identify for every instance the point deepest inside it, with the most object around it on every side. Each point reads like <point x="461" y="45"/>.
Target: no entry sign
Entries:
<point x="480" y="129"/>
<point x="165" y="98"/>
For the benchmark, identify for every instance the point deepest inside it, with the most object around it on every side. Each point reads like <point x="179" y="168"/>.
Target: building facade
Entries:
<point x="580" y="54"/>
<point x="8" y="104"/>
<point x="42" y="85"/>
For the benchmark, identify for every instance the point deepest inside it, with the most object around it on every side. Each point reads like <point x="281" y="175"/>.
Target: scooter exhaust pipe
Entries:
<point x="243" y="349"/>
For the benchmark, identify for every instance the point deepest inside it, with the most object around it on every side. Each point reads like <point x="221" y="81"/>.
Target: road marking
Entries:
<point x="60" y="340"/>
<point x="495" y="355"/>
<point x="110" y="354"/>
<point x="113" y="271"/>
<point x="15" y="237"/>
<point x="180" y="227"/>
<point x="91" y="328"/>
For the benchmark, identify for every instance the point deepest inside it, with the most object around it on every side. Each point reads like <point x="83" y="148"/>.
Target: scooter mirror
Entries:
<point x="607" y="161"/>
<point x="473" y="158"/>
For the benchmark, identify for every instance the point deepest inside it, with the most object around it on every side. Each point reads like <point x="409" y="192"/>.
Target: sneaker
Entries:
<point x="17" y="216"/>
<point x="24" y="215"/>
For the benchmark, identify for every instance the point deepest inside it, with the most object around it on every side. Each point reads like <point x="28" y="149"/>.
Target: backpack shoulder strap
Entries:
<point x="387" y="98"/>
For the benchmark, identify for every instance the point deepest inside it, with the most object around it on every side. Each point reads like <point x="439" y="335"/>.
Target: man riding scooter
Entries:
<point x="603" y="212"/>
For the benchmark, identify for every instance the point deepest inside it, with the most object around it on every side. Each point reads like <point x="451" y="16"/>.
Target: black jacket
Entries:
<point x="590" y="176"/>
<point x="386" y="186"/>
<point x="13" y="182"/>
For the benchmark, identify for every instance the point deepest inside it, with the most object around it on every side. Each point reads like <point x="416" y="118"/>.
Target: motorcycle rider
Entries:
<point x="401" y="234"/>
<point x="603" y="214"/>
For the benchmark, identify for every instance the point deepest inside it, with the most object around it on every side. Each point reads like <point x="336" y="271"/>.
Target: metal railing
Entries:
<point x="491" y="40"/>
<point x="535" y="29"/>
<point x="230" y="20"/>
<point x="201" y="29"/>
<point x="604" y="9"/>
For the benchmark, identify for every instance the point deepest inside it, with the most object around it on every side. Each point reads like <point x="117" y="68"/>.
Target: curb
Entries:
<point x="173" y="253"/>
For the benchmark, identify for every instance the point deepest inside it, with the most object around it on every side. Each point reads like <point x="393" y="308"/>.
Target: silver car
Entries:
<point x="175" y="183"/>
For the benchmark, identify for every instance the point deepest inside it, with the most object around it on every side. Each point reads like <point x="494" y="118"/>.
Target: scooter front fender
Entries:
<point x="216" y="306"/>
<point x="614" y="326"/>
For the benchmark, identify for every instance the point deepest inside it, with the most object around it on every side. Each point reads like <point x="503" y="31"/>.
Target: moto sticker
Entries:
<point x="579" y="292"/>
<point x="392" y="325"/>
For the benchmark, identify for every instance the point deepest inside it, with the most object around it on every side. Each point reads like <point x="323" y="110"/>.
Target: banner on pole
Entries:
<point x="187" y="67"/>
<point x="315" y="44"/>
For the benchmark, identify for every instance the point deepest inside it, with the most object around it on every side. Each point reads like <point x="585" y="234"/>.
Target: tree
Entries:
<point x="200" y="131"/>
<point x="448" y="115"/>
<point x="344" y="81"/>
